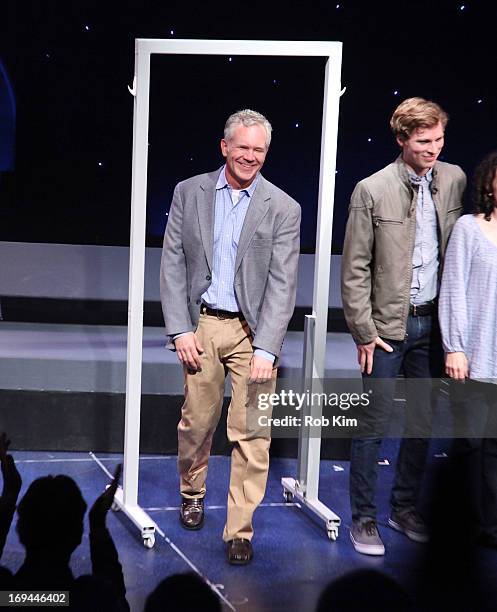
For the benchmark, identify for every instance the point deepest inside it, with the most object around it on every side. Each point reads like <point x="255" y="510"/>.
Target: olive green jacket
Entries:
<point x="379" y="245"/>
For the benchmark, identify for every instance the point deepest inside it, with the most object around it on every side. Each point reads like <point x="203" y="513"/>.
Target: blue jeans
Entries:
<point x="419" y="355"/>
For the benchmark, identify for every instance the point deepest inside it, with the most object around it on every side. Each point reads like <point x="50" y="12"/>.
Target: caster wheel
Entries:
<point x="288" y="496"/>
<point x="332" y="535"/>
<point x="149" y="541"/>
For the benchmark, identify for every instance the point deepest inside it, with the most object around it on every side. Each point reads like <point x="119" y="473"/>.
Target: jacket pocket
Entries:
<point x="379" y="221"/>
<point x="261" y="243"/>
<point x="377" y="274"/>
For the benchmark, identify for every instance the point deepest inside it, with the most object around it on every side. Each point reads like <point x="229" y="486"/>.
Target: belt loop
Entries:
<point x="414" y="313"/>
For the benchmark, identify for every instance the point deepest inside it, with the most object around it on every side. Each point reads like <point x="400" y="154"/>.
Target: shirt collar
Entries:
<point x="414" y="178"/>
<point x="222" y="183"/>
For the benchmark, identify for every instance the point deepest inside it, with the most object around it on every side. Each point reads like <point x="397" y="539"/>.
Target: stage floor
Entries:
<point x="293" y="559"/>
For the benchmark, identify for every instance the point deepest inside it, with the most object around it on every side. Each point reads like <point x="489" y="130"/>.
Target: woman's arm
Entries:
<point x="452" y="309"/>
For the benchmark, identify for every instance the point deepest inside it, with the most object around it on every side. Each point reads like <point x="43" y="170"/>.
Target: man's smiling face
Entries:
<point x="245" y="153"/>
<point x="421" y="150"/>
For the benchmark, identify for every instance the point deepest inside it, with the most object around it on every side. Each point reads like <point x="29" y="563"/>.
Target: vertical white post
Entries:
<point x="326" y="202"/>
<point x="310" y="450"/>
<point x="306" y="486"/>
<point x="136" y="276"/>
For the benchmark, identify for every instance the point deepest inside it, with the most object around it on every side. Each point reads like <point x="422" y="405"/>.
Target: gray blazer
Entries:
<point x="265" y="267"/>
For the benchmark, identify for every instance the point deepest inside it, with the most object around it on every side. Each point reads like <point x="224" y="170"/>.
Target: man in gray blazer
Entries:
<point x="228" y="286"/>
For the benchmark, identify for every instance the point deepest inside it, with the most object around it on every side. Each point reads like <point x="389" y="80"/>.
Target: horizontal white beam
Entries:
<point x="290" y="48"/>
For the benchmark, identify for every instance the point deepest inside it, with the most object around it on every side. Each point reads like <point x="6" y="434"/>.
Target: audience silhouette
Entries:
<point x="11" y="487"/>
<point x="365" y="589"/>
<point x="183" y="593"/>
<point x="50" y="527"/>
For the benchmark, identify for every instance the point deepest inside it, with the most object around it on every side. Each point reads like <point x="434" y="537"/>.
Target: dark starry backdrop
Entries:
<point x="67" y="66"/>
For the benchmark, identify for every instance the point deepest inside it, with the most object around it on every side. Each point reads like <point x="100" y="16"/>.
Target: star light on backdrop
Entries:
<point x="84" y="113"/>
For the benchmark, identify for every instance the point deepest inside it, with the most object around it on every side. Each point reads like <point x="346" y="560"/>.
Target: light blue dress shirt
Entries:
<point x="229" y="216"/>
<point x="425" y="259"/>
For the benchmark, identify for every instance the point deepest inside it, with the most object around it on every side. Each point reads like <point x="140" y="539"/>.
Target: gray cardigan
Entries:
<point x="468" y="299"/>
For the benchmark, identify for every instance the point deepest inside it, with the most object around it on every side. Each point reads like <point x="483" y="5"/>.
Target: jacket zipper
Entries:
<point x="377" y="222"/>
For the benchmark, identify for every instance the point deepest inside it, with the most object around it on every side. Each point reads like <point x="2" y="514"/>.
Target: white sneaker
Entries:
<point x="366" y="539"/>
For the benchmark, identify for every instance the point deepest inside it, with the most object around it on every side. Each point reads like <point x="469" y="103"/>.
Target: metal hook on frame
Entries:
<point x="132" y="91"/>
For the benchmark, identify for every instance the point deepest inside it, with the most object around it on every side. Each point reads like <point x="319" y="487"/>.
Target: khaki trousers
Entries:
<point x="227" y="345"/>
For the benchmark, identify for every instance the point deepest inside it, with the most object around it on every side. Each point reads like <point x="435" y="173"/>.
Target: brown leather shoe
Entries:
<point x="240" y="551"/>
<point x="191" y="514"/>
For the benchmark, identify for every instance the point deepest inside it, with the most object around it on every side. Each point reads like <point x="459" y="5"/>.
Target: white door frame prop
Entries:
<point x="305" y="488"/>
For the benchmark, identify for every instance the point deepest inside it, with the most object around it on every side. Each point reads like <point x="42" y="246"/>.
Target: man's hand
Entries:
<point x="189" y="351"/>
<point x="103" y="503"/>
<point x="261" y="369"/>
<point x="12" y="481"/>
<point x="365" y="353"/>
<point x="456" y="366"/>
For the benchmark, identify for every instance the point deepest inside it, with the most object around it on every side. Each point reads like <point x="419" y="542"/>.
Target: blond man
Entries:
<point x="400" y="219"/>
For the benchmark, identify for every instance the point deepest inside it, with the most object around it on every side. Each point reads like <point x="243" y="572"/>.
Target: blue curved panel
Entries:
<point x="7" y="121"/>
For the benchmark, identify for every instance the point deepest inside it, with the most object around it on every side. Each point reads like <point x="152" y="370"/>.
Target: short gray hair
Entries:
<point x="247" y="118"/>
